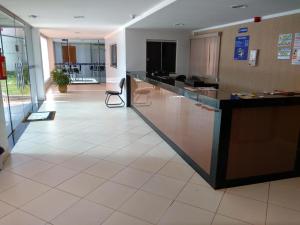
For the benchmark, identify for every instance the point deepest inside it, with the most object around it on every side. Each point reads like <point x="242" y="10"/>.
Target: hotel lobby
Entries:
<point x="151" y="112"/>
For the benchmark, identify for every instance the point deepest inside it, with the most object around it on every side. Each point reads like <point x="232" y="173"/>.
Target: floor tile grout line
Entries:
<point x="268" y="197"/>
<point x="217" y="209"/>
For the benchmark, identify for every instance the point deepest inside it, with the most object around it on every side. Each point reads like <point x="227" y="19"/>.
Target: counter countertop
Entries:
<point x="220" y="98"/>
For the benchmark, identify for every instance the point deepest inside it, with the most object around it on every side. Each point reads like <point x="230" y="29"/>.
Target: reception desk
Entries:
<point x="228" y="141"/>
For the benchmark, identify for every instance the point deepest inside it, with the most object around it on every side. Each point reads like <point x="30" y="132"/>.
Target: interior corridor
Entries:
<point x="92" y="165"/>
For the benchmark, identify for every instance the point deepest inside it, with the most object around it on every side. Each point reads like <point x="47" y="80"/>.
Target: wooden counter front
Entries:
<point x="178" y="118"/>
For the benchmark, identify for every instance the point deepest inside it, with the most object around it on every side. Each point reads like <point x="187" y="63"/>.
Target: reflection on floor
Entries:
<point x="93" y="165"/>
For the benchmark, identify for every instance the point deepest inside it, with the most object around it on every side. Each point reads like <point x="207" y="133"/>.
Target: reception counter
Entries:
<point x="229" y="141"/>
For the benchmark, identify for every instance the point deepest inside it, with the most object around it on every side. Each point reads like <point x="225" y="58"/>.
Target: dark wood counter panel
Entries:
<point x="228" y="142"/>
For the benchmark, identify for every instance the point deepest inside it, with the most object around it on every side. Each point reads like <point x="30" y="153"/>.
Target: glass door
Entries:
<point x="16" y="89"/>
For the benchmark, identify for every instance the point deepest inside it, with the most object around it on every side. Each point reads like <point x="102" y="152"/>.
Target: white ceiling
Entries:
<point x="56" y="16"/>
<point x="199" y="14"/>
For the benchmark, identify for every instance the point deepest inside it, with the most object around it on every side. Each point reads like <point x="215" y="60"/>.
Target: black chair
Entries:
<point x="115" y="93"/>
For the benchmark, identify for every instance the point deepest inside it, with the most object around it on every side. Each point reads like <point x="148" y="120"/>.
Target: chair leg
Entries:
<point x="114" y="105"/>
<point x="106" y="99"/>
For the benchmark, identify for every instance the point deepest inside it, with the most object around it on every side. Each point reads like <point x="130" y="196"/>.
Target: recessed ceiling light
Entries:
<point x="78" y="17"/>
<point x="179" y="24"/>
<point x="33" y="16"/>
<point x="241" y="6"/>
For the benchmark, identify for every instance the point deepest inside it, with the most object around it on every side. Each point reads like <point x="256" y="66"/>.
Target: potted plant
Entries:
<point x="61" y="79"/>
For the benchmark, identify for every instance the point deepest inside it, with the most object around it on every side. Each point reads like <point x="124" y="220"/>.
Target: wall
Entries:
<point x="3" y="133"/>
<point x="136" y="47"/>
<point x="51" y="54"/>
<point x="270" y="73"/>
<point x="113" y="75"/>
<point x="37" y="61"/>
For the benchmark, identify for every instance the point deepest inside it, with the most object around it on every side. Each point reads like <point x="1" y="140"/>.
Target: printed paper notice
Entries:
<point x="297" y="40"/>
<point x="284" y="53"/>
<point x="285" y="40"/>
<point x="296" y="50"/>
<point x="296" y="56"/>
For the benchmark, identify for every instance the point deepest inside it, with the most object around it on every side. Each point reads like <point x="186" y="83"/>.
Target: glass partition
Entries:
<point x="16" y="91"/>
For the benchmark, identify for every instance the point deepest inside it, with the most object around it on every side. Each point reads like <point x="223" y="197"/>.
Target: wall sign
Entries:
<point x="296" y="50"/>
<point x="284" y="46"/>
<point x="243" y="30"/>
<point x="241" y="47"/>
<point x="284" y="53"/>
<point x="253" y="58"/>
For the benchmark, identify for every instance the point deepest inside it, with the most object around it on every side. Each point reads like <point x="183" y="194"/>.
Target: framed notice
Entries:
<point x="241" y="47"/>
<point x="285" y="40"/>
<point x="296" y="50"/>
<point x="284" y="53"/>
<point x="284" y="46"/>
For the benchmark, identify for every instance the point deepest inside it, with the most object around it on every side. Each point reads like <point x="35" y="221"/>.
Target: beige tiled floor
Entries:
<point x="93" y="165"/>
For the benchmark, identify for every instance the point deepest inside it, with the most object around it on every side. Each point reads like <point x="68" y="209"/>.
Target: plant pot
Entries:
<point x="63" y="88"/>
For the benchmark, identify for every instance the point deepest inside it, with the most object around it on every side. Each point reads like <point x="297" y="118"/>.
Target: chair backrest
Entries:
<point x="121" y="84"/>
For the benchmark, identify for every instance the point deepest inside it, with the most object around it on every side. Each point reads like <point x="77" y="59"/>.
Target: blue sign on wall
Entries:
<point x="241" y="47"/>
<point x="243" y="30"/>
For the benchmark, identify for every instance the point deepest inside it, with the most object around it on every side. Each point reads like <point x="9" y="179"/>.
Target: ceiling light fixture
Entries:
<point x="241" y="6"/>
<point x="33" y="16"/>
<point x="78" y="17"/>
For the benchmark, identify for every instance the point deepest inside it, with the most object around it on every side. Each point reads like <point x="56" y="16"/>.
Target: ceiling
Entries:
<point x="199" y="14"/>
<point x="56" y="17"/>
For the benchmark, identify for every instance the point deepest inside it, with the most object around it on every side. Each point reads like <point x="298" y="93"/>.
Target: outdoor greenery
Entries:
<point x="60" y="78"/>
<point x="12" y="87"/>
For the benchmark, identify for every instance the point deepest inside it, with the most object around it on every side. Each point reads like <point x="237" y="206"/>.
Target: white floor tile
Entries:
<point x="81" y="184"/>
<point x="23" y="193"/>
<point x="149" y="163"/>
<point x="21" y="218"/>
<point x="132" y="177"/>
<point x="164" y="186"/>
<point x="80" y="163"/>
<point x="146" y="206"/>
<point x="111" y="194"/>
<point x="8" y="179"/>
<point x="177" y="171"/>
<point x="279" y="215"/>
<point x="197" y="179"/>
<point x="223" y="220"/>
<point x="54" y="176"/>
<point x="5" y="209"/>
<point x="285" y="196"/>
<point x="121" y="219"/>
<point x="83" y="213"/>
<point x="180" y="213"/>
<point x="104" y="169"/>
<point x="244" y="209"/>
<point x="255" y="191"/>
<point x="100" y="152"/>
<point x="202" y="197"/>
<point x="31" y="168"/>
<point x="50" y="204"/>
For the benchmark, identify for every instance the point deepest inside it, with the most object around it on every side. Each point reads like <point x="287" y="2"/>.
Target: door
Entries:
<point x="16" y="89"/>
<point x="161" y="57"/>
<point x="169" y="57"/>
<point x="153" y="63"/>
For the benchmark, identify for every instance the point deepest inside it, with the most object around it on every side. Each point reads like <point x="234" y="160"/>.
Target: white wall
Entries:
<point x="38" y="64"/>
<point x="45" y="57"/>
<point x="51" y="54"/>
<point x="114" y="75"/>
<point x="3" y="133"/>
<point x="136" y="47"/>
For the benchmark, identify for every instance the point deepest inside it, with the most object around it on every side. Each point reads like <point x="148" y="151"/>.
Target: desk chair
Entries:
<point x="115" y="93"/>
